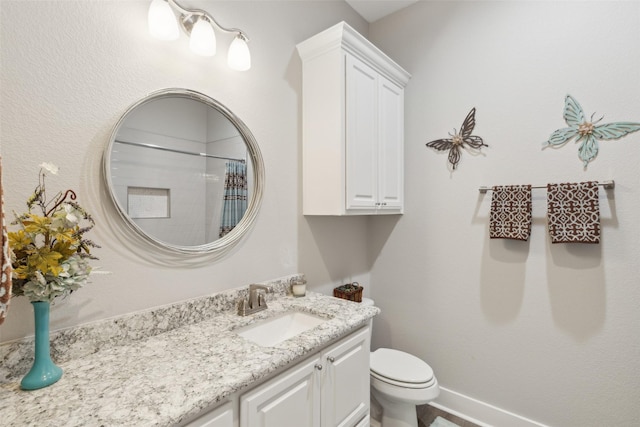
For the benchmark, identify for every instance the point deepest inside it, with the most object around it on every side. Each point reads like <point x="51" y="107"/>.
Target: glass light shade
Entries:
<point x="239" y="58"/>
<point x="203" y="38"/>
<point x="162" y="22"/>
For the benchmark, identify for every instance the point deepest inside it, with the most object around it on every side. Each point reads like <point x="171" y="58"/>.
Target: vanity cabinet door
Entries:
<point x="345" y="386"/>
<point x="290" y="399"/>
<point x="219" y="417"/>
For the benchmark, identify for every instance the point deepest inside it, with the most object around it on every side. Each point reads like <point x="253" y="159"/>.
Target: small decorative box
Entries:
<point x="350" y="291"/>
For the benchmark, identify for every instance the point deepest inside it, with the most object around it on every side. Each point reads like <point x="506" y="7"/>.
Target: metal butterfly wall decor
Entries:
<point x="460" y="140"/>
<point x="587" y="131"/>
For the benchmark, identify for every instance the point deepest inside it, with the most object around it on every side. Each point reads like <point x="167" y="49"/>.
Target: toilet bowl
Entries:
<point x="399" y="382"/>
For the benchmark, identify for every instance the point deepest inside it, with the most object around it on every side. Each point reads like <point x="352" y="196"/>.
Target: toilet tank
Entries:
<point x="369" y="303"/>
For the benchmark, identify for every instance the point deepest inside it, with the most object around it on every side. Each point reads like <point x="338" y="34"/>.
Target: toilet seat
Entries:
<point x="393" y="382"/>
<point x="401" y="369"/>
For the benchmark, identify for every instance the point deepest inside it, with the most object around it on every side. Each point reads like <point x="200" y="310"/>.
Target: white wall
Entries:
<point x="549" y="332"/>
<point x="70" y="73"/>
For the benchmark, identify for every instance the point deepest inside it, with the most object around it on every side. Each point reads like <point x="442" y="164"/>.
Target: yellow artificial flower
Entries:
<point x="18" y="240"/>
<point x="46" y="261"/>
<point x="66" y="248"/>
<point x="66" y="235"/>
<point x="37" y="224"/>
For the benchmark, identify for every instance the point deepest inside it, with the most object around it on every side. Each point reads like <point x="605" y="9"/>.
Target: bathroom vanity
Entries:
<point x="186" y="364"/>
<point x="331" y="388"/>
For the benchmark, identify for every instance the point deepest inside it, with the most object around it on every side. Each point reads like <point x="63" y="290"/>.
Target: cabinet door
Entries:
<point x="219" y="417"/>
<point x="290" y="399"/>
<point x="390" y="145"/>
<point x="361" y="123"/>
<point x="345" y="388"/>
<point x="365" y="422"/>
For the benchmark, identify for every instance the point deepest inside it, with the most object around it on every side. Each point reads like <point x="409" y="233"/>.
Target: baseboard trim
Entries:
<point x="478" y="412"/>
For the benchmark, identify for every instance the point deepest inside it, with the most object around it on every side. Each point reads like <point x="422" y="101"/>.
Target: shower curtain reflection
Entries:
<point x="235" y="196"/>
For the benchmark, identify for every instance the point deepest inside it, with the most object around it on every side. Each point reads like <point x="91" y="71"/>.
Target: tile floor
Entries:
<point x="428" y="413"/>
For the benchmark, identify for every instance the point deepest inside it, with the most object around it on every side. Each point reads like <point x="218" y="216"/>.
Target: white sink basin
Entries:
<point x="274" y="330"/>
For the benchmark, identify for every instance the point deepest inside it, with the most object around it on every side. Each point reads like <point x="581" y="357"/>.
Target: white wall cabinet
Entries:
<point x="328" y="390"/>
<point x="353" y="126"/>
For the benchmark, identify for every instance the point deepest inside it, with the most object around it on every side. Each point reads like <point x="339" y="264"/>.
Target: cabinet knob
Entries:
<point x="331" y="359"/>
<point x="319" y="367"/>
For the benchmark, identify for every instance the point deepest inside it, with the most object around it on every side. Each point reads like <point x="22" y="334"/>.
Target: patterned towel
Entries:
<point x="510" y="212"/>
<point x="573" y="212"/>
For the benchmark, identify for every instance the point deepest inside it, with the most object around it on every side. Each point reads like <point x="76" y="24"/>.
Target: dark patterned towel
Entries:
<point x="573" y="212"/>
<point x="510" y="212"/>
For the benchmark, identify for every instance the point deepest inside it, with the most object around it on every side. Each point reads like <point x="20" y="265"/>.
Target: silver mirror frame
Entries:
<point x="225" y="243"/>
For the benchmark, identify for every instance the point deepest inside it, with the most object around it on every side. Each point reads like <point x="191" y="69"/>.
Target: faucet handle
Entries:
<point x="242" y="306"/>
<point x="256" y="298"/>
<point x="256" y="286"/>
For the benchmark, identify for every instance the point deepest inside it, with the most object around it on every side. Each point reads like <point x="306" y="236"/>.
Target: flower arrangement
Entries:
<point x="49" y="253"/>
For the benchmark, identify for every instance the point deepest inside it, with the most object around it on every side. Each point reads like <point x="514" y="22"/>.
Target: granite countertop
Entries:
<point x="168" y="377"/>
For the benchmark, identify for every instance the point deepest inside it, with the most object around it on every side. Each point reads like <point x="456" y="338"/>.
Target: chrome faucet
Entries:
<point x="256" y="301"/>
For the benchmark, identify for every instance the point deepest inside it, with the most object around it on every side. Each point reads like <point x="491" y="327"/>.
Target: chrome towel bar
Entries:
<point x="607" y="185"/>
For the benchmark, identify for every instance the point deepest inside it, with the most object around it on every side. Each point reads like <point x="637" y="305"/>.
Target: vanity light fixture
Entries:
<point x="199" y="25"/>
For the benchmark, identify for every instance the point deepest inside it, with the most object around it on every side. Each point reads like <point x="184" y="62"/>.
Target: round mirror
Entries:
<point x="184" y="172"/>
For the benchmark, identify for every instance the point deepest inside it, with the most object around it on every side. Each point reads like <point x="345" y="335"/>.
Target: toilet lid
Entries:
<point x="400" y="366"/>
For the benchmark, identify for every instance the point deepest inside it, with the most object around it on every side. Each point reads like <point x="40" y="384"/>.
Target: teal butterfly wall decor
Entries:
<point x="587" y="131"/>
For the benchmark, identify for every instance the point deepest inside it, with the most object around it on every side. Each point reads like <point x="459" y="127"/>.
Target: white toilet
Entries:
<point x="399" y="382"/>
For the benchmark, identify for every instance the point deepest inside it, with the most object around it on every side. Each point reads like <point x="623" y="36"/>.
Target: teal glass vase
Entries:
<point x="43" y="372"/>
